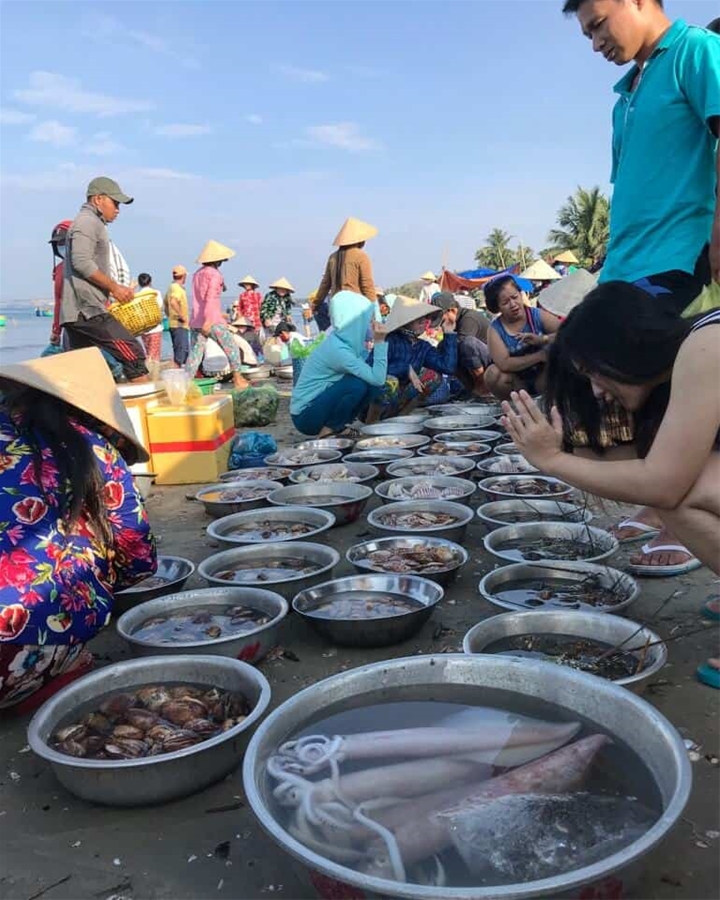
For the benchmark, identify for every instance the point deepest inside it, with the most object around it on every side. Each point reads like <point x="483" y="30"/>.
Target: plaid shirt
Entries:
<point x="249" y="303"/>
<point x="404" y="352"/>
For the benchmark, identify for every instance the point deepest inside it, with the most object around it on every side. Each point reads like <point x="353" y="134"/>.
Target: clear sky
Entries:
<point x="264" y="125"/>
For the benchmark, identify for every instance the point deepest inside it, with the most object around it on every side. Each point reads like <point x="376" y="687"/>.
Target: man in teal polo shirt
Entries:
<point x="664" y="217"/>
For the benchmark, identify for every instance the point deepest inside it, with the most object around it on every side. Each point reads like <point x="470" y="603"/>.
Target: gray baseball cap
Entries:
<point x="110" y="188"/>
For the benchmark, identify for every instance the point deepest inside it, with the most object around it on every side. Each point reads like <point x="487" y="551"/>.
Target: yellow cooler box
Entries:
<point x="191" y="444"/>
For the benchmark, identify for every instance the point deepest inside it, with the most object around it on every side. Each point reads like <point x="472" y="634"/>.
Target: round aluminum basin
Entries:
<point x="150" y="779"/>
<point x="604" y="706"/>
<point x="456" y="466"/>
<point x="341" y="444"/>
<point x="500" y="487"/>
<point x="393" y="442"/>
<point x="296" y="458"/>
<point x="175" y="570"/>
<point x="372" y="632"/>
<point x="392" y="428"/>
<point x="225" y="530"/>
<point x="396" y="488"/>
<point x="512" y="464"/>
<point x="381" y="459"/>
<point x="323" y="495"/>
<point x="215" y="507"/>
<point x="499" y="513"/>
<point x="362" y="473"/>
<point x="264" y="473"/>
<point x="459" y="423"/>
<point x="467" y="450"/>
<point x="249" y="647"/>
<point x="597" y="543"/>
<point x="358" y="555"/>
<point x="455" y="531"/>
<point x="608" y="629"/>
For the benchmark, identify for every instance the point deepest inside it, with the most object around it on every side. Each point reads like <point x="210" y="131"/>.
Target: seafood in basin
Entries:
<point x="358" y="605"/>
<point x="192" y="626"/>
<point x="415" y="559"/>
<point x="455" y="449"/>
<point x="330" y="472"/>
<point x="427" y="467"/>
<point x="423" y="490"/>
<point x="149" y="583"/>
<point x="556" y="592"/>
<point x="150" y="721"/>
<point x="233" y="494"/>
<point x="298" y="457"/>
<point x="269" y="530"/>
<point x="536" y="549"/>
<point x="526" y="486"/>
<point x="273" y="570"/>
<point x="416" y="521"/>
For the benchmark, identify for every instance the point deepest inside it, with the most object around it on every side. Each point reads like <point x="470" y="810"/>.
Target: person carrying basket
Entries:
<point x="88" y="288"/>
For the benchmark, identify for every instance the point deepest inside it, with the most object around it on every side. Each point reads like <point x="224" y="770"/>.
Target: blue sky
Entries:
<point x="264" y="124"/>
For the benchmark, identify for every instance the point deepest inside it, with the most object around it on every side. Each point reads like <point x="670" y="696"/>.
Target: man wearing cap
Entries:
<point x="176" y="309"/>
<point x="88" y="287"/>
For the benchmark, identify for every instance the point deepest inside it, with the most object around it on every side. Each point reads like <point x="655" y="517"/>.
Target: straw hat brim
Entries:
<point x="240" y="322"/>
<point x="282" y="283"/>
<point x="82" y="379"/>
<point x="214" y="251"/>
<point x="567" y="256"/>
<point x="540" y="271"/>
<point x="248" y="279"/>
<point x="406" y="310"/>
<point x="428" y="276"/>
<point x="354" y="231"/>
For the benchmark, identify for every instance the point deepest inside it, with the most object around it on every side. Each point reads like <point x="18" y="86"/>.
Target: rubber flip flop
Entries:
<point x="645" y="531"/>
<point x="708" y="612"/>
<point x="650" y="571"/>
<point x="708" y="675"/>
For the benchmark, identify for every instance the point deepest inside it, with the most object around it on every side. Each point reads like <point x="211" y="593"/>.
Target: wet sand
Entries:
<point x="56" y="846"/>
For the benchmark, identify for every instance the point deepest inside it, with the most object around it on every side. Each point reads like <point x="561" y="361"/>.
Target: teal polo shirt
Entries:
<point x="663" y="157"/>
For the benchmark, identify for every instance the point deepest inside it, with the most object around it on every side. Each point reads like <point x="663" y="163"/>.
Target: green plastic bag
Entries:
<point x="706" y="300"/>
<point x="255" y="407"/>
<point x="302" y="351"/>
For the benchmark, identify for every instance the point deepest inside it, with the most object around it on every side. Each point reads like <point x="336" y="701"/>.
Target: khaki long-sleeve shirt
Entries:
<point x="356" y="275"/>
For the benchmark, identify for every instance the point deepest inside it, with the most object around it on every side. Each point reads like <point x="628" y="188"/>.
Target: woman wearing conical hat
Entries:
<point x="348" y="268"/>
<point x="249" y="301"/>
<point x="74" y="530"/>
<point x="207" y="319"/>
<point x="277" y="304"/>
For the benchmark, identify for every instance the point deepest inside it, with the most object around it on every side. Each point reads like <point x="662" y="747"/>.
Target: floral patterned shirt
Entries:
<point x="56" y="585"/>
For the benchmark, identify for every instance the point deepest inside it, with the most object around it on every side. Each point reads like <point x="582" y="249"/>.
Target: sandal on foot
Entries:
<point x="650" y="571"/>
<point x="707" y="609"/>
<point x="644" y="531"/>
<point x="708" y="675"/>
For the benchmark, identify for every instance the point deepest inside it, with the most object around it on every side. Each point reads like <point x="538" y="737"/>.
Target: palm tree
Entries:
<point x="496" y="254"/>
<point x="584" y="225"/>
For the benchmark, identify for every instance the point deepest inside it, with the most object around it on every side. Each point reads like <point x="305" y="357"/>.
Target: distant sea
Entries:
<point x="26" y="335"/>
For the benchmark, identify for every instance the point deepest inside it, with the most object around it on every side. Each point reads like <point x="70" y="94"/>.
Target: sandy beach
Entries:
<point x="210" y="846"/>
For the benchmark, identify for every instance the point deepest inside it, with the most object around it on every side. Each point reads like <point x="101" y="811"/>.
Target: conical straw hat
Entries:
<point x="428" y="276"/>
<point x="567" y="256"/>
<point x="354" y="231"/>
<point x="248" y="279"/>
<point x="282" y="283"/>
<point x="82" y="379"/>
<point x="214" y="252"/>
<point x="540" y="271"/>
<point x="406" y="310"/>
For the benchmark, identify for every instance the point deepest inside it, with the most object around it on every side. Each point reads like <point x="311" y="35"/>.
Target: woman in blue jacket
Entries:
<point x="337" y="383"/>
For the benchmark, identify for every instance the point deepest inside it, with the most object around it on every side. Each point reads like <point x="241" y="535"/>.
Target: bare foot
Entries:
<point x="662" y="557"/>
<point x="240" y="383"/>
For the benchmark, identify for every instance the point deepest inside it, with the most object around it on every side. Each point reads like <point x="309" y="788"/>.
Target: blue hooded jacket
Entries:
<point x="342" y="352"/>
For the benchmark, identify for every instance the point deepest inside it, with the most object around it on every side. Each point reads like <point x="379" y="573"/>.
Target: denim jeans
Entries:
<point x="336" y="406"/>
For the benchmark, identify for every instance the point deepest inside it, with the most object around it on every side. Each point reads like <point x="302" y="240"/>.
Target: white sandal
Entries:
<point x="645" y="531"/>
<point x="650" y="571"/>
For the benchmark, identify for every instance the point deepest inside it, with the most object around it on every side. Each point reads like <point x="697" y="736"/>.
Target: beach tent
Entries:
<point x="474" y="279"/>
<point x="540" y="271"/>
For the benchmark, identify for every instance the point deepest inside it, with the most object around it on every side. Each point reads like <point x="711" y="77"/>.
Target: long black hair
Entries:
<point x="622" y="332"/>
<point x="37" y="413"/>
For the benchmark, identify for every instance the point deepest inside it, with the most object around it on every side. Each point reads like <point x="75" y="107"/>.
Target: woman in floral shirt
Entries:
<point x="277" y="304"/>
<point x="72" y="526"/>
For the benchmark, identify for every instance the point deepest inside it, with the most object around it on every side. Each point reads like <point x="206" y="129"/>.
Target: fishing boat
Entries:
<point x="44" y="312"/>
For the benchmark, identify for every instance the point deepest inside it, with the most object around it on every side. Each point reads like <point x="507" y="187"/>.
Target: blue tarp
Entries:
<point x="473" y="274"/>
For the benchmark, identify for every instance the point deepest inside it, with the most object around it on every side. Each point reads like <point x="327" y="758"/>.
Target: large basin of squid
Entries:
<point x="466" y="777"/>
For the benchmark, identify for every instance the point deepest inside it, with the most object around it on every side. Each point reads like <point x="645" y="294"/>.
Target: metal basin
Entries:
<point x="453" y="532"/>
<point x="624" y="585"/>
<point x="174" y="569"/>
<point x="511" y="464"/>
<point x="495" y="514"/>
<point x="509" y="447"/>
<point x="387" y="489"/>
<point x="324" y="557"/>
<point x="381" y="459"/>
<point x="290" y="459"/>
<point x="355" y="498"/>
<point x="263" y="473"/>
<point x="222" y="530"/>
<point x="456" y="449"/>
<point x="415" y="418"/>
<point x="217" y="508"/>
<point x="422" y="465"/>
<point x="250" y="647"/>
<point x="393" y="442"/>
<point x="608" y="629"/>
<point x="605" y="707"/>
<point x="598" y="543"/>
<point x="357" y="556"/>
<point x="392" y="428"/>
<point x="341" y="444"/>
<point x="496" y="487"/>
<point x="363" y="473"/>
<point x="152" y="779"/>
<point x="478" y="408"/>
<point x="377" y="632"/>
<point x="467" y="437"/>
<point x="458" y="423"/>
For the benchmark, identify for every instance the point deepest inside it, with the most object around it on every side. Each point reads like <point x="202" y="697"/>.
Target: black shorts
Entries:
<point x="676" y="289"/>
